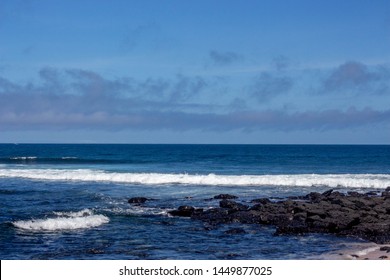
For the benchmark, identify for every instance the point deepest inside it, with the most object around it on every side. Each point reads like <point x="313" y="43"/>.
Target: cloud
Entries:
<point x="272" y="120"/>
<point x="267" y="86"/>
<point x="218" y="58"/>
<point x="281" y="62"/>
<point x="78" y="92"/>
<point x="79" y="99"/>
<point x="186" y="87"/>
<point x="358" y="78"/>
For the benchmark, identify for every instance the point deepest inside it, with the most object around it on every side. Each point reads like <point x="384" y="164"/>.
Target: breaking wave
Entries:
<point x="23" y="158"/>
<point x="302" y="180"/>
<point x="64" y="221"/>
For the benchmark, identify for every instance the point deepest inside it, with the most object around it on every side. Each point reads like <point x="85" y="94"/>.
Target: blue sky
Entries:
<point x="173" y="71"/>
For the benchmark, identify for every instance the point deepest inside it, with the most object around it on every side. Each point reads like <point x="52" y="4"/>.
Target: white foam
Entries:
<point x="82" y="213"/>
<point x="65" y="221"/>
<point x="303" y="180"/>
<point x="139" y="211"/>
<point x="367" y="251"/>
<point x="23" y="158"/>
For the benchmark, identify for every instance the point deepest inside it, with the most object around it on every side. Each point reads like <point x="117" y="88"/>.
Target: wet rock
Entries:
<point x="385" y="248"/>
<point x="327" y="193"/>
<point x="248" y="217"/>
<point x="371" y="193"/>
<point x="137" y="200"/>
<point x="213" y="216"/>
<point x="386" y="194"/>
<point x="355" y="194"/>
<point x="225" y="196"/>
<point x="352" y="214"/>
<point x="314" y="196"/>
<point x="261" y="200"/>
<point x="183" y="211"/>
<point x="235" y="206"/>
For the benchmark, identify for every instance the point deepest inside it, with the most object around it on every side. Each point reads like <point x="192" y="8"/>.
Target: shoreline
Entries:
<point x="360" y="251"/>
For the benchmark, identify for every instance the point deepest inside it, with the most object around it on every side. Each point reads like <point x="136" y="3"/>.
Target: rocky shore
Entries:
<point x="362" y="215"/>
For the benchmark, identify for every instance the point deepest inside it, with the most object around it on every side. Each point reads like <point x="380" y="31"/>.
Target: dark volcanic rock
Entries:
<point x="235" y="206"/>
<point x="365" y="216"/>
<point x="327" y="193"/>
<point x="385" y="248"/>
<point x="214" y="216"/>
<point x="184" y="211"/>
<point x="261" y="200"/>
<point x="138" y="200"/>
<point x="314" y="196"/>
<point x="372" y="193"/>
<point x="225" y="196"/>
<point x="386" y="194"/>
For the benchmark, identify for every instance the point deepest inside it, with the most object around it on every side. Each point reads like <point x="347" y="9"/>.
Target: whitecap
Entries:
<point x="23" y="158"/>
<point x="64" y="221"/>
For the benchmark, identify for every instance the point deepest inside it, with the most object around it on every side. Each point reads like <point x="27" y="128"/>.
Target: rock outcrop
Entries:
<point x="355" y="214"/>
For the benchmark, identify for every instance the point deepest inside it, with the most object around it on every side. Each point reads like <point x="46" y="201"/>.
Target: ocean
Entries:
<point x="70" y="201"/>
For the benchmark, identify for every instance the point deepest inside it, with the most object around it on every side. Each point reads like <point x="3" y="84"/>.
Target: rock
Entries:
<point x="334" y="195"/>
<point x="225" y="196"/>
<point x="385" y="248"/>
<point x="248" y="217"/>
<point x="372" y="193"/>
<point x="314" y="196"/>
<point x="258" y="207"/>
<point x="183" y="211"/>
<point x="261" y="200"/>
<point x="213" y="216"/>
<point x="383" y="257"/>
<point x="327" y="193"/>
<point x="235" y="231"/>
<point x="386" y="194"/>
<point x="138" y="200"/>
<point x="355" y="194"/>
<point x="351" y="214"/>
<point x="232" y="205"/>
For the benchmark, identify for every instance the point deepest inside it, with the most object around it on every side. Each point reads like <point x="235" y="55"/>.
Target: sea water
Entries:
<point x="62" y="201"/>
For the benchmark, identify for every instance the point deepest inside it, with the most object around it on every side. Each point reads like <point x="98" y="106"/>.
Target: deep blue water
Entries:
<point x="70" y="201"/>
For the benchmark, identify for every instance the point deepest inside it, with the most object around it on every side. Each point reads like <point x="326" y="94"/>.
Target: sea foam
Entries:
<point x="301" y="180"/>
<point x="64" y="221"/>
<point x="23" y="158"/>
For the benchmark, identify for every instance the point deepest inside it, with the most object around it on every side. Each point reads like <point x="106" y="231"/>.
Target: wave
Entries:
<point x="23" y="158"/>
<point x="302" y="180"/>
<point x="59" y="160"/>
<point x="64" y="221"/>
